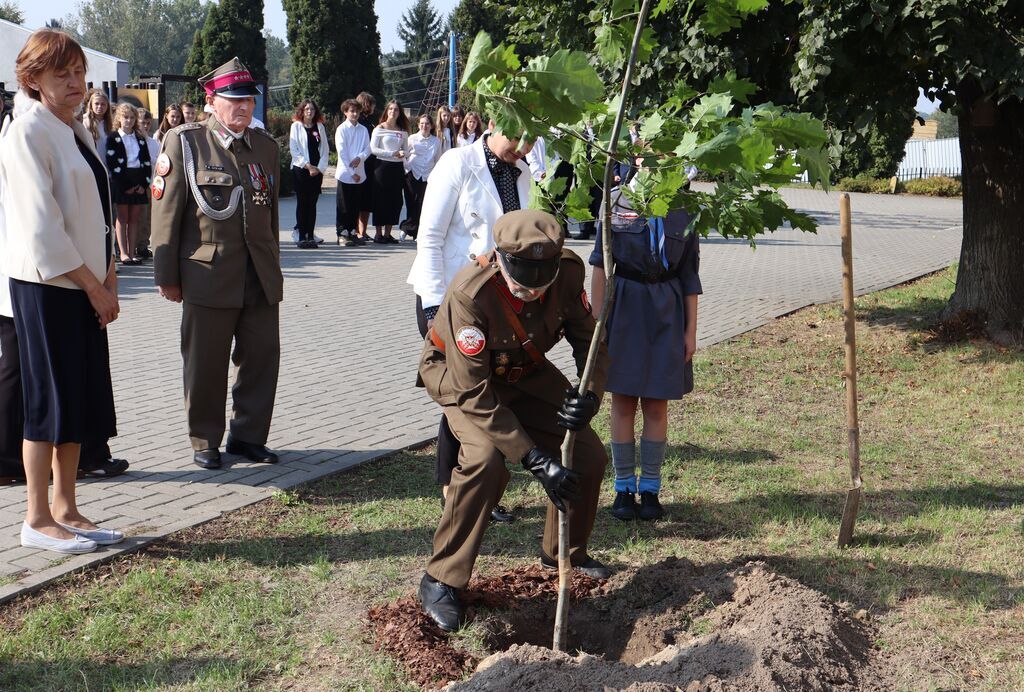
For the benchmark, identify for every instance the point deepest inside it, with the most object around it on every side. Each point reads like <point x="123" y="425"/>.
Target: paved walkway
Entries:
<point x="349" y="353"/>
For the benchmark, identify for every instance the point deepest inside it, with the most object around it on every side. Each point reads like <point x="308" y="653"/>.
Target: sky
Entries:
<point x="389" y="12"/>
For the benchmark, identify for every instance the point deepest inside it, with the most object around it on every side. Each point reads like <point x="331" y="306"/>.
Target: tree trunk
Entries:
<point x="990" y="283"/>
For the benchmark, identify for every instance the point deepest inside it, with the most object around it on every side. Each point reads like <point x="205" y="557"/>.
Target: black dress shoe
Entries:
<point x="253" y="452"/>
<point x="207" y="458"/>
<point x="441" y="603"/>
<point x="592" y="568"/>
<point x="502" y="515"/>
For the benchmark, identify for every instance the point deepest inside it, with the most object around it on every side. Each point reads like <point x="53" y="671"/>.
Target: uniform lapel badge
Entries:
<point x="260" y="185"/>
<point x="470" y="340"/>
<point x="163" y="164"/>
<point x="157" y="187"/>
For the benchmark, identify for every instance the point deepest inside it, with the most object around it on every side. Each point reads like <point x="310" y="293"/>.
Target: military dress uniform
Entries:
<point x="483" y="363"/>
<point x="215" y="234"/>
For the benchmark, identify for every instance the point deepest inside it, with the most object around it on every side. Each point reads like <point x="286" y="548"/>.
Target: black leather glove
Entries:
<point x="559" y="482"/>
<point x="577" y="410"/>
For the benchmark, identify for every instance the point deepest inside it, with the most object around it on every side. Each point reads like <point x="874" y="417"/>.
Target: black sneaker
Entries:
<point x="624" y="507"/>
<point x="650" y="508"/>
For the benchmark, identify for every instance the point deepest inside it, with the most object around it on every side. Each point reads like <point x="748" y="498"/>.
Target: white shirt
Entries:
<point x="352" y="142"/>
<point x="154" y="151"/>
<point x="384" y="143"/>
<point x="465" y="141"/>
<point x="131" y="148"/>
<point x="423" y="154"/>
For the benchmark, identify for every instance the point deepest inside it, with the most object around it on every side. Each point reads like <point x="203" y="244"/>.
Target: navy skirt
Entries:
<point x="65" y="365"/>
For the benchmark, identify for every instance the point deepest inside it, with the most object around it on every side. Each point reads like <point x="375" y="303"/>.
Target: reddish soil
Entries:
<point x="669" y="626"/>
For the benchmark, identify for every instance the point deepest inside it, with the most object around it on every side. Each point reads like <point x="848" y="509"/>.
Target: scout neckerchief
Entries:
<point x="656" y="229"/>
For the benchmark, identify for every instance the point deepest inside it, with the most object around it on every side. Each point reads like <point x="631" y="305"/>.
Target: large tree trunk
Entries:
<point x="990" y="283"/>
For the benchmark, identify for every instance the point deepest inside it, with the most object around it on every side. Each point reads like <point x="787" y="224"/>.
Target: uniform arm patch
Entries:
<point x="470" y="340"/>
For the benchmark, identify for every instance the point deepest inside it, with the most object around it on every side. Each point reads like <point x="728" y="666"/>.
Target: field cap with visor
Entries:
<point x="529" y="244"/>
<point x="231" y="80"/>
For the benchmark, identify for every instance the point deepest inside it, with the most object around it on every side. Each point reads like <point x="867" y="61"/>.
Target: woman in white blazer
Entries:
<point x="307" y="142"/>
<point x="460" y="207"/>
<point x="57" y="207"/>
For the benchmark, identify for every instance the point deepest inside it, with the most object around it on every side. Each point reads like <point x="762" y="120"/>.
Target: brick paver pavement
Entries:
<point x="349" y="353"/>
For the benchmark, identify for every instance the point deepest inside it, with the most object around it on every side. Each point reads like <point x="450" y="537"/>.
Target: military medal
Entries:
<point x="260" y="185"/>
<point x="503" y="361"/>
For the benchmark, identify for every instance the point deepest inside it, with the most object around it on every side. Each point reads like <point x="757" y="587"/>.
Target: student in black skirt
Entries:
<point x="130" y="168"/>
<point x="57" y="209"/>
<point x="389" y="143"/>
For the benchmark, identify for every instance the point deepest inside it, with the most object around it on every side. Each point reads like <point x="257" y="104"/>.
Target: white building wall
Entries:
<point x="102" y="67"/>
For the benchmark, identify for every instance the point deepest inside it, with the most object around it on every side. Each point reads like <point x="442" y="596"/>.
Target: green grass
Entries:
<point x="274" y="595"/>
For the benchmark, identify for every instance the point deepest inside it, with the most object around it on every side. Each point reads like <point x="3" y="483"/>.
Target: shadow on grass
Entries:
<point x="691" y="452"/>
<point x="90" y="674"/>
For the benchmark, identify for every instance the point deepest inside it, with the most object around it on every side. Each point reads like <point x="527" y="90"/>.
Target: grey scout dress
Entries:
<point x="647" y="325"/>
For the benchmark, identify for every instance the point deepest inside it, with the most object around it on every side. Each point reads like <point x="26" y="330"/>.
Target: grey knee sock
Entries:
<point x="652" y="455"/>
<point x="624" y="461"/>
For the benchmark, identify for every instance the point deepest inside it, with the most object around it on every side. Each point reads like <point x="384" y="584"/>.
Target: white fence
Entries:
<point x="923" y="158"/>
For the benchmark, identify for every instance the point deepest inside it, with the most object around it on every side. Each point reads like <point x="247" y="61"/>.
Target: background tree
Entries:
<point x="279" y="60"/>
<point x="852" y="63"/>
<point x="150" y="34"/>
<point x="335" y="50"/>
<point x="422" y="31"/>
<point x="232" y="28"/>
<point x="949" y="125"/>
<point x="10" y="11"/>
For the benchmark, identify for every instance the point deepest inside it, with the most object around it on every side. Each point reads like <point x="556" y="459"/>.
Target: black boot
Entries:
<point x="624" y="507"/>
<point x="441" y="603"/>
<point x="650" y="507"/>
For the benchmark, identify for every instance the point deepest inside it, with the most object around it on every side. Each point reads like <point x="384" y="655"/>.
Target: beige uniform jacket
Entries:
<point x="217" y="208"/>
<point x="474" y="375"/>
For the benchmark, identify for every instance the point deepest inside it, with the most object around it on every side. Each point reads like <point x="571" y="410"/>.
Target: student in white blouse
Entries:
<point x="352" y="141"/>
<point x="307" y="142"/>
<point x="389" y="143"/>
<point x="424" y="151"/>
<point x="443" y="128"/>
<point x="471" y="129"/>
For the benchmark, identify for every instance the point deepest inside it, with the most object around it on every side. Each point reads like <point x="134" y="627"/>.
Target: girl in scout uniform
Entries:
<point x="652" y="336"/>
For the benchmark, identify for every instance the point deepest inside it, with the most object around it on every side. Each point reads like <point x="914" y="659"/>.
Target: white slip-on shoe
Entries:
<point x="98" y="536"/>
<point x="30" y="538"/>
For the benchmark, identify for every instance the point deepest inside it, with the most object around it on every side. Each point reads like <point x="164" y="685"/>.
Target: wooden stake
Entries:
<point x="853" y="428"/>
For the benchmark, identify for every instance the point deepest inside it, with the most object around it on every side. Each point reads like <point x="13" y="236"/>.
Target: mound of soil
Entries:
<point x="668" y="626"/>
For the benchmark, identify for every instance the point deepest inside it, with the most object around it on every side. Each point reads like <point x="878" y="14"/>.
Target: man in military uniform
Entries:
<point x="484" y="362"/>
<point x="215" y="237"/>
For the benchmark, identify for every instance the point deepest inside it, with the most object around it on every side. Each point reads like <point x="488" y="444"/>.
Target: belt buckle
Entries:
<point x="515" y="373"/>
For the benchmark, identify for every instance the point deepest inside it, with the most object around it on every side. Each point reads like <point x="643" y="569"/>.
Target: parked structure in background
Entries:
<point x="924" y="158"/>
<point x="929" y="130"/>
<point x="102" y="67"/>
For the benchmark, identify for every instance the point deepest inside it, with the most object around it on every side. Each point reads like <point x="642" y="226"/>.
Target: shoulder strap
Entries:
<point x="510" y="314"/>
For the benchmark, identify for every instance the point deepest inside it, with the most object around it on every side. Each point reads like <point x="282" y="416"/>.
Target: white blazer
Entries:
<point x="460" y="207"/>
<point x="53" y="215"/>
<point x="299" y="148"/>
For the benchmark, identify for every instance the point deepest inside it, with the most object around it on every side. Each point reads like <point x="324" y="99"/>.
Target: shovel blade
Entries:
<point x="849" y="516"/>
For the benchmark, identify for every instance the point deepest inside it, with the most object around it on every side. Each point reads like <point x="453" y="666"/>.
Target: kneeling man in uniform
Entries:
<point x="484" y="362"/>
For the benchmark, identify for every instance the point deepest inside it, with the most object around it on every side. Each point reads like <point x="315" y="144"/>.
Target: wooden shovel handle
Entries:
<point x="853" y="428"/>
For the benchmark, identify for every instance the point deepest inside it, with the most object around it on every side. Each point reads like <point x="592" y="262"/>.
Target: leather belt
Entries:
<point x="643" y="277"/>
